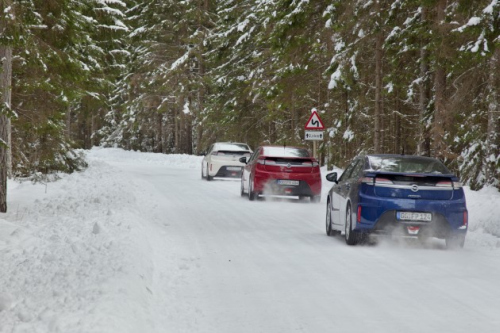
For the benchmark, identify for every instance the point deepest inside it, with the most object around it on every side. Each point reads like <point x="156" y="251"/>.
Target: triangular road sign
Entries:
<point x="314" y="122"/>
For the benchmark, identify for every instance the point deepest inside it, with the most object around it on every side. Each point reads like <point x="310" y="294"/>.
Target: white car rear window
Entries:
<point x="232" y="147"/>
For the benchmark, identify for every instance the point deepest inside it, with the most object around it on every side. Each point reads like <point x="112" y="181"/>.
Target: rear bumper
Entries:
<point x="309" y="184"/>
<point x="379" y="216"/>
<point x="229" y="171"/>
<point x="217" y="169"/>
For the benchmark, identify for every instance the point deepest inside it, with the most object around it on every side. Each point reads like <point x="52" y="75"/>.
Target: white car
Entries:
<point x="222" y="160"/>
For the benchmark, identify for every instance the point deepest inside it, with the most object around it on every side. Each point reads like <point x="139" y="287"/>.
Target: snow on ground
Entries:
<point x="98" y="251"/>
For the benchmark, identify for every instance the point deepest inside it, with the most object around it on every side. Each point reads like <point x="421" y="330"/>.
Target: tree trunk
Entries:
<point x="5" y="106"/>
<point x="440" y="112"/>
<point x="492" y="144"/>
<point x="377" y="137"/>
<point x="423" y="147"/>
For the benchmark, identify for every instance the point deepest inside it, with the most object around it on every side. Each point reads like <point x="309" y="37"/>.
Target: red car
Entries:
<point x="281" y="170"/>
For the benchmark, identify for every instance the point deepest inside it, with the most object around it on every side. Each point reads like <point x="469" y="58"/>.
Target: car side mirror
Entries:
<point x="332" y="177"/>
<point x="243" y="159"/>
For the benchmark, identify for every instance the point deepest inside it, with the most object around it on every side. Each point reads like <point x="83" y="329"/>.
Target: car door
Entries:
<point x="350" y="193"/>
<point x="247" y="169"/>
<point x="339" y="191"/>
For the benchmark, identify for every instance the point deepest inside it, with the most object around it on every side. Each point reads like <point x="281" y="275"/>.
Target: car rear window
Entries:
<point x="286" y="152"/>
<point x="232" y="147"/>
<point x="407" y="164"/>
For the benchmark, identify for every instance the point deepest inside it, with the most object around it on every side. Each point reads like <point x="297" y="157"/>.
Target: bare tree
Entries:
<point x="5" y="100"/>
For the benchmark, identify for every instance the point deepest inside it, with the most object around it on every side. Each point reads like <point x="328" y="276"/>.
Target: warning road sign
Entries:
<point x="314" y="122"/>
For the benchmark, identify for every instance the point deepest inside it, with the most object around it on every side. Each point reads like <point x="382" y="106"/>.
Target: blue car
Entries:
<point x="402" y="195"/>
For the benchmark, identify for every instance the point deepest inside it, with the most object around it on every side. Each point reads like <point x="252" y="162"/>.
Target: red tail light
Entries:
<point x="358" y="217"/>
<point x="383" y="181"/>
<point x="466" y="218"/>
<point x="444" y="183"/>
<point x="366" y="180"/>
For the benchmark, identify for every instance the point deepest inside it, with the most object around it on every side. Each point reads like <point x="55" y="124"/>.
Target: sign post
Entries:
<point x="314" y="129"/>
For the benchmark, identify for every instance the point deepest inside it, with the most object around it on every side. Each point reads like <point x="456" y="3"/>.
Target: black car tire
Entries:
<point x="351" y="237"/>
<point x="251" y="193"/>
<point x="209" y="178"/>
<point x="242" y="193"/>
<point x="202" y="177"/>
<point x="329" y="230"/>
<point x="455" y="241"/>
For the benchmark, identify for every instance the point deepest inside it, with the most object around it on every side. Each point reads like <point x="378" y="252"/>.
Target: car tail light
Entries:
<point x="366" y="180"/>
<point x="383" y="181"/>
<point x="218" y="153"/>
<point x="310" y="163"/>
<point x="444" y="183"/>
<point x="466" y="218"/>
<point x="457" y="185"/>
<point x="358" y="217"/>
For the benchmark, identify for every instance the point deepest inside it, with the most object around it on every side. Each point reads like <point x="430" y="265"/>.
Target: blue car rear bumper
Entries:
<point x="379" y="215"/>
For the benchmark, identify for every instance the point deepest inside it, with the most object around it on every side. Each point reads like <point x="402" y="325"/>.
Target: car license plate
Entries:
<point x="414" y="216"/>
<point x="288" y="182"/>
<point x="233" y="168"/>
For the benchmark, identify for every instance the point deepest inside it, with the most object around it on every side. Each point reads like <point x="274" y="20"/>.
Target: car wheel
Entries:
<point x="315" y="198"/>
<point x="251" y="193"/>
<point x="351" y="238"/>
<point x="209" y="178"/>
<point x="242" y="193"/>
<point x="202" y="176"/>
<point x="329" y="231"/>
<point x="455" y="241"/>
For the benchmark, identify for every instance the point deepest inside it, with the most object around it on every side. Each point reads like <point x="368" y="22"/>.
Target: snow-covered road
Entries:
<point x="139" y="243"/>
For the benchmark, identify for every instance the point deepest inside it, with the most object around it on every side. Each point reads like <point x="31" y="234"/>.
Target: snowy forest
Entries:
<point x="173" y="76"/>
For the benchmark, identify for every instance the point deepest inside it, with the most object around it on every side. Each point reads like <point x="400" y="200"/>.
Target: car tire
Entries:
<point x="251" y="192"/>
<point x="242" y="192"/>
<point x="328" y="220"/>
<point x="202" y="176"/>
<point x="351" y="238"/>
<point x="209" y="178"/>
<point x="455" y="241"/>
<point x="315" y="198"/>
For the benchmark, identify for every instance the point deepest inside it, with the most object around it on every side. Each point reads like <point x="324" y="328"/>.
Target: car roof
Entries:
<point x="400" y="156"/>
<point x="283" y="146"/>
<point x="230" y="143"/>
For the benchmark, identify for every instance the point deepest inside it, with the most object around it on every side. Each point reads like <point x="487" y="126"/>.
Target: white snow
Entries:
<point x="138" y="242"/>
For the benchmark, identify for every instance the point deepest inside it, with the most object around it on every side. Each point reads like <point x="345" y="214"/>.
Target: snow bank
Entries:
<point x="70" y="249"/>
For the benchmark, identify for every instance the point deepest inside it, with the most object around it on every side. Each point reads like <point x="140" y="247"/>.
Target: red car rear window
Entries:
<point x="285" y="152"/>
